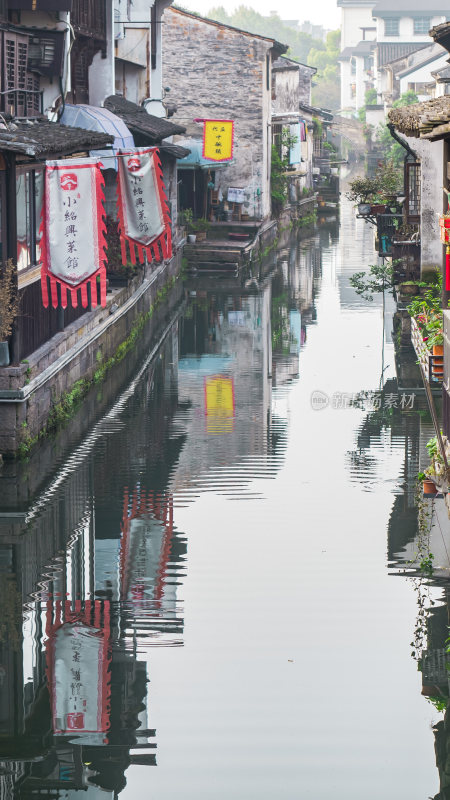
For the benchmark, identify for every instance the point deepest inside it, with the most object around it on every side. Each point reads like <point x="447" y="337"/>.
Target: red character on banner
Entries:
<point x="73" y="233"/>
<point x="144" y="221"/>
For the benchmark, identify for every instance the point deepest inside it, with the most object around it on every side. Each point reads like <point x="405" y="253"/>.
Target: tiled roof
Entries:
<point x="139" y="122"/>
<point x="175" y="150"/>
<point x="410" y="8"/>
<point x="41" y="138"/>
<point x="391" y="51"/>
<point x="428" y="120"/>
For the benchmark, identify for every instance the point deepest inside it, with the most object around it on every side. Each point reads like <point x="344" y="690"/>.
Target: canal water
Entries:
<point x="213" y="593"/>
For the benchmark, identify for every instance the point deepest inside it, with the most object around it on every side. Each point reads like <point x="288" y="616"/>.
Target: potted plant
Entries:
<point x="9" y="306"/>
<point x="200" y="228"/>
<point x="187" y="218"/>
<point x="428" y="486"/>
<point x="363" y="191"/>
<point x="409" y="288"/>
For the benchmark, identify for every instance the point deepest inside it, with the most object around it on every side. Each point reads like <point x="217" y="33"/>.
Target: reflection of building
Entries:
<point x="293" y="291"/>
<point x="98" y="576"/>
<point x="224" y="379"/>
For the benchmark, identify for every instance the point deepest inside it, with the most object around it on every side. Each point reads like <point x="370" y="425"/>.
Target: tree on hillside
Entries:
<point x="273" y="26"/>
<point x="323" y="56"/>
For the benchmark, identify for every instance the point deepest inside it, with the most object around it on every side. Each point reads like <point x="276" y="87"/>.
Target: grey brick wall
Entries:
<point x="215" y="72"/>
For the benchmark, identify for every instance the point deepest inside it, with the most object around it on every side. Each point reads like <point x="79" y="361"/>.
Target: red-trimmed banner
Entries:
<point x="78" y="654"/>
<point x="73" y="232"/>
<point x="144" y="220"/>
<point x="218" y="139"/>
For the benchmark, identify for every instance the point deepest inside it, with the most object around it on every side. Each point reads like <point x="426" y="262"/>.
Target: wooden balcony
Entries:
<point x="88" y="18"/>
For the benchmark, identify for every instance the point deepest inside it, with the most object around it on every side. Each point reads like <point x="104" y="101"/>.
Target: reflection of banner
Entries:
<point x="144" y="220"/>
<point x="145" y="546"/>
<point x="218" y="136"/>
<point x="73" y="231"/>
<point x="219" y="404"/>
<point x="78" y="655"/>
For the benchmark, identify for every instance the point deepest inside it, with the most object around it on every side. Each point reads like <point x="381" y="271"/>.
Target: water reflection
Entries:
<point x="99" y="582"/>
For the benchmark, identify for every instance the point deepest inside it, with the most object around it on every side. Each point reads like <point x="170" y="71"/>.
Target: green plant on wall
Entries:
<point x="279" y="178"/>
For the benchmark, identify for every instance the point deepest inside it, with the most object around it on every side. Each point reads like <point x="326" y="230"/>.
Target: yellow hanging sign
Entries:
<point x="218" y="137"/>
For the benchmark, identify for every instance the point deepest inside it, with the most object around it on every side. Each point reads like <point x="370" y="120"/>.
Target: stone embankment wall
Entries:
<point x="29" y="392"/>
<point x="216" y="72"/>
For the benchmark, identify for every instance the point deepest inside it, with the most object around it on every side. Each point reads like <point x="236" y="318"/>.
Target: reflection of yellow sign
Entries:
<point x="219" y="404"/>
<point x="218" y="139"/>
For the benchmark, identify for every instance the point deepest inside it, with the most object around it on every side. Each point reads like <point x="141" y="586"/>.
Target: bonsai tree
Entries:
<point x="385" y="183"/>
<point x="363" y="190"/>
<point x="9" y="301"/>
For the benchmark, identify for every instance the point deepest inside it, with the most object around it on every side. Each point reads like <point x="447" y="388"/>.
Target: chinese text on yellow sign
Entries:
<point x="218" y="137"/>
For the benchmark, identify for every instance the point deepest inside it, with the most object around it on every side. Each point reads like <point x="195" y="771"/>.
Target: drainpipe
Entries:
<point x="401" y="141"/>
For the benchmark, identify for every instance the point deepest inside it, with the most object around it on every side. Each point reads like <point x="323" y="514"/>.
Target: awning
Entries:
<point x="93" y="118"/>
<point x="195" y="158"/>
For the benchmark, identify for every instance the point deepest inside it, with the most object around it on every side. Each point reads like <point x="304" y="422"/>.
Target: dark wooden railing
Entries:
<point x="38" y="324"/>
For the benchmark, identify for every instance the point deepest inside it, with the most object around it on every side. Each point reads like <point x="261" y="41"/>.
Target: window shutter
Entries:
<point x="33" y="100"/>
<point x="15" y="56"/>
<point x="16" y="77"/>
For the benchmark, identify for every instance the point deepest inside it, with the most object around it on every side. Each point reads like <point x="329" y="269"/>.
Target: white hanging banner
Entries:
<point x="73" y="231"/>
<point x="144" y="220"/>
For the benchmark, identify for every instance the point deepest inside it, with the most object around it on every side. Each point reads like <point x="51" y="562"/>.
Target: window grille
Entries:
<point x="412" y="190"/>
<point x="422" y="24"/>
<point x="391" y="26"/>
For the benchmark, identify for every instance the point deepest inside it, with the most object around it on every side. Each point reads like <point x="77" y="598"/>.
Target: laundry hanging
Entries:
<point x="144" y="220"/>
<point x="73" y="232"/>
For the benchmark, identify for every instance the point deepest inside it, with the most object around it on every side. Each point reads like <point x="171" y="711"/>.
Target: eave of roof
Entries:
<point x="409" y="8"/>
<point x="138" y="121"/>
<point x="427" y="120"/>
<point x="326" y="115"/>
<point x="441" y="35"/>
<point x="43" y="138"/>
<point x="404" y="72"/>
<point x="175" y="150"/>
<point x="283" y="63"/>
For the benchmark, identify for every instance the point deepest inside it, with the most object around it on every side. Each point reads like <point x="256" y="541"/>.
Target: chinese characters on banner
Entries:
<point x="73" y="232"/>
<point x="144" y="220"/>
<point x="218" y="138"/>
<point x="78" y="658"/>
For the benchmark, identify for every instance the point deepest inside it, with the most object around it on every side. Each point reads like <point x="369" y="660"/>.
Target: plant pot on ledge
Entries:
<point x="429" y="488"/>
<point x="364" y="209"/>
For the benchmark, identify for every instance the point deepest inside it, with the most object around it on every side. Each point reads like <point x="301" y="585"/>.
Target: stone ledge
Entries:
<point x="16" y="380"/>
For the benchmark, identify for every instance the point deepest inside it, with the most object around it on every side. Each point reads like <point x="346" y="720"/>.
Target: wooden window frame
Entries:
<point x="411" y="166"/>
<point x="30" y="273"/>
